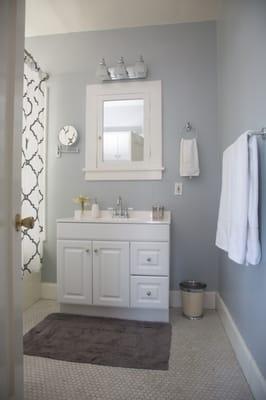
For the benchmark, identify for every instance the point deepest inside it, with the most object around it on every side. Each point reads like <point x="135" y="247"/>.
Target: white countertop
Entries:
<point x="135" y="217"/>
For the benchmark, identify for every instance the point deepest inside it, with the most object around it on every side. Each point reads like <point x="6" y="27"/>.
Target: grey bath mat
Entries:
<point x="103" y="341"/>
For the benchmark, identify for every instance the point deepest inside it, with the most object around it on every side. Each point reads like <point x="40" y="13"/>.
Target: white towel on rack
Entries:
<point x="253" y="255"/>
<point x="189" y="159"/>
<point x="237" y="228"/>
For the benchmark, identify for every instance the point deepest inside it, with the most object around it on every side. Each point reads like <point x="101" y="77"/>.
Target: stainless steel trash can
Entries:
<point x="192" y="296"/>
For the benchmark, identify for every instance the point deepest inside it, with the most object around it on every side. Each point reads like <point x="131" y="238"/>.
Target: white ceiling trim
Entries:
<point x="48" y="17"/>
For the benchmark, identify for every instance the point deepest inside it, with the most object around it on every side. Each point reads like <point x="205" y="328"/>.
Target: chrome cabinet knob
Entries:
<point x="95" y="251"/>
<point x="149" y="259"/>
<point x="148" y="293"/>
<point x="87" y="250"/>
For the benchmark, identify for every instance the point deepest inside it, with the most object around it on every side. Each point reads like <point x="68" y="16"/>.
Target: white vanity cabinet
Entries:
<point x="114" y="268"/>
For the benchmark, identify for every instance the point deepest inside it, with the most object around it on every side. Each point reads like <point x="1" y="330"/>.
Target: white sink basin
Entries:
<point x="135" y="217"/>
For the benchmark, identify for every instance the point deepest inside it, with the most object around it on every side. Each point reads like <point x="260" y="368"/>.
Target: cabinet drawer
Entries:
<point x="149" y="258"/>
<point x="149" y="292"/>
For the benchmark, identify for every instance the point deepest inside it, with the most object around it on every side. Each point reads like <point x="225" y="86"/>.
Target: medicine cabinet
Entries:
<point x="124" y="131"/>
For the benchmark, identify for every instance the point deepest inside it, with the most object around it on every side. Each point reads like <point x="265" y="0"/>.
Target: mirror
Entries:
<point x="123" y="130"/>
<point x="68" y="135"/>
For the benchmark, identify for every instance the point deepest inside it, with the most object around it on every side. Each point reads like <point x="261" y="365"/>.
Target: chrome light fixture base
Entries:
<point x="121" y="71"/>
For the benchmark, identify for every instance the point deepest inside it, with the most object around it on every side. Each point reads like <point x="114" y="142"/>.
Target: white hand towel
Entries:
<point x="253" y="255"/>
<point x="189" y="159"/>
<point x="237" y="228"/>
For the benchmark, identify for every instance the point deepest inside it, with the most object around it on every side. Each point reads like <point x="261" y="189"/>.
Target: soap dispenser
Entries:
<point x="95" y="209"/>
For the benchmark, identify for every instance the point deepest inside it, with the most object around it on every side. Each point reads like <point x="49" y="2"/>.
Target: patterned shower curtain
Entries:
<point x="33" y="166"/>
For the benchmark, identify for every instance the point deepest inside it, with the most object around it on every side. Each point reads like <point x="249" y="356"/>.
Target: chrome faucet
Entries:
<point x="119" y="211"/>
<point x="119" y="207"/>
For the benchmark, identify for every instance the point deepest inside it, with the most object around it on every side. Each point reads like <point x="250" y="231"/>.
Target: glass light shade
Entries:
<point x="120" y="69"/>
<point x="102" y="71"/>
<point x="140" y="68"/>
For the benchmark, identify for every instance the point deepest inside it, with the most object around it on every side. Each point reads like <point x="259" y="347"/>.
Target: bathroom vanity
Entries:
<point x="114" y="267"/>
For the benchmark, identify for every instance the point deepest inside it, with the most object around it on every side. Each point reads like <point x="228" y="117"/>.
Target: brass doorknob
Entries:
<point x="27" y="222"/>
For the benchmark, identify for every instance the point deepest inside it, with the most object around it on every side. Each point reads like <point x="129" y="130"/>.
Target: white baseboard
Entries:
<point x="49" y="293"/>
<point x="209" y="299"/>
<point x="250" y="369"/>
<point x="31" y="284"/>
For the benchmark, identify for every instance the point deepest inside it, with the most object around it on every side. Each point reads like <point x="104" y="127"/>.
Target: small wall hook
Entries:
<point x="188" y="126"/>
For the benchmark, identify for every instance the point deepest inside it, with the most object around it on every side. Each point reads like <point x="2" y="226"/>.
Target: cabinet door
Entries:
<point x="74" y="271"/>
<point x="111" y="273"/>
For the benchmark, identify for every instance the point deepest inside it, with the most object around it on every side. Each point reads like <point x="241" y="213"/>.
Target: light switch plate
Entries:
<point x="178" y="188"/>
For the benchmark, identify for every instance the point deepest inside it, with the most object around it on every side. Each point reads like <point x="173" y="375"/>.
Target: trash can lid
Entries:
<point x="192" y="286"/>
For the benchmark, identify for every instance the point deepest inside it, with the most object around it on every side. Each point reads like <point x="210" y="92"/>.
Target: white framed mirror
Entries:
<point x="123" y="131"/>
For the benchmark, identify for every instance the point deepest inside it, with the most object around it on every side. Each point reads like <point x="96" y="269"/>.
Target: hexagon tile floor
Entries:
<point x="202" y="366"/>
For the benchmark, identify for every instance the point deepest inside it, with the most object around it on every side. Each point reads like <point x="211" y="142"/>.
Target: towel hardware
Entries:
<point x="188" y="126"/>
<point x="189" y="129"/>
<point x="261" y="133"/>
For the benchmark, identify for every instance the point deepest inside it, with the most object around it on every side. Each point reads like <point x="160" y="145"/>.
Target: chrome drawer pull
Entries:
<point x="95" y="251"/>
<point x="148" y="293"/>
<point x="149" y="259"/>
<point x="87" y="250"/>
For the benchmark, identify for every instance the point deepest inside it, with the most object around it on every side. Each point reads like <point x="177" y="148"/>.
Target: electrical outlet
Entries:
<point x="178" y="188"/>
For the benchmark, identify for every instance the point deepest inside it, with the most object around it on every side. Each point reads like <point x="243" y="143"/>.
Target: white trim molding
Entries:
<point x="48" y="291"/>
<point x="123" y="175"/>
<point x="31" y="288"/>
<point x="249" y="366"/>
<point x="209" y="299"/>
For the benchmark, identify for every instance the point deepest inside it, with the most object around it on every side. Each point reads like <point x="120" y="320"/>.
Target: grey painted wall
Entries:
<point x="183" y="56"/>
<point x="242" y="106"/>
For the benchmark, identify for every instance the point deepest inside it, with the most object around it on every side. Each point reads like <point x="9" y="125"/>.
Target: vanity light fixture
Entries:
<point x="121" y="71"/>
<point x="102" y="72"/>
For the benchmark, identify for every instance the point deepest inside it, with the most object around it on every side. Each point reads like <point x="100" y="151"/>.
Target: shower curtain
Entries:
<point x="33" y="164"/>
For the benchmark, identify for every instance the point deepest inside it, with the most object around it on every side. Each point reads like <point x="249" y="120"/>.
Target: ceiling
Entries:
<point x="48" y="17"/>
